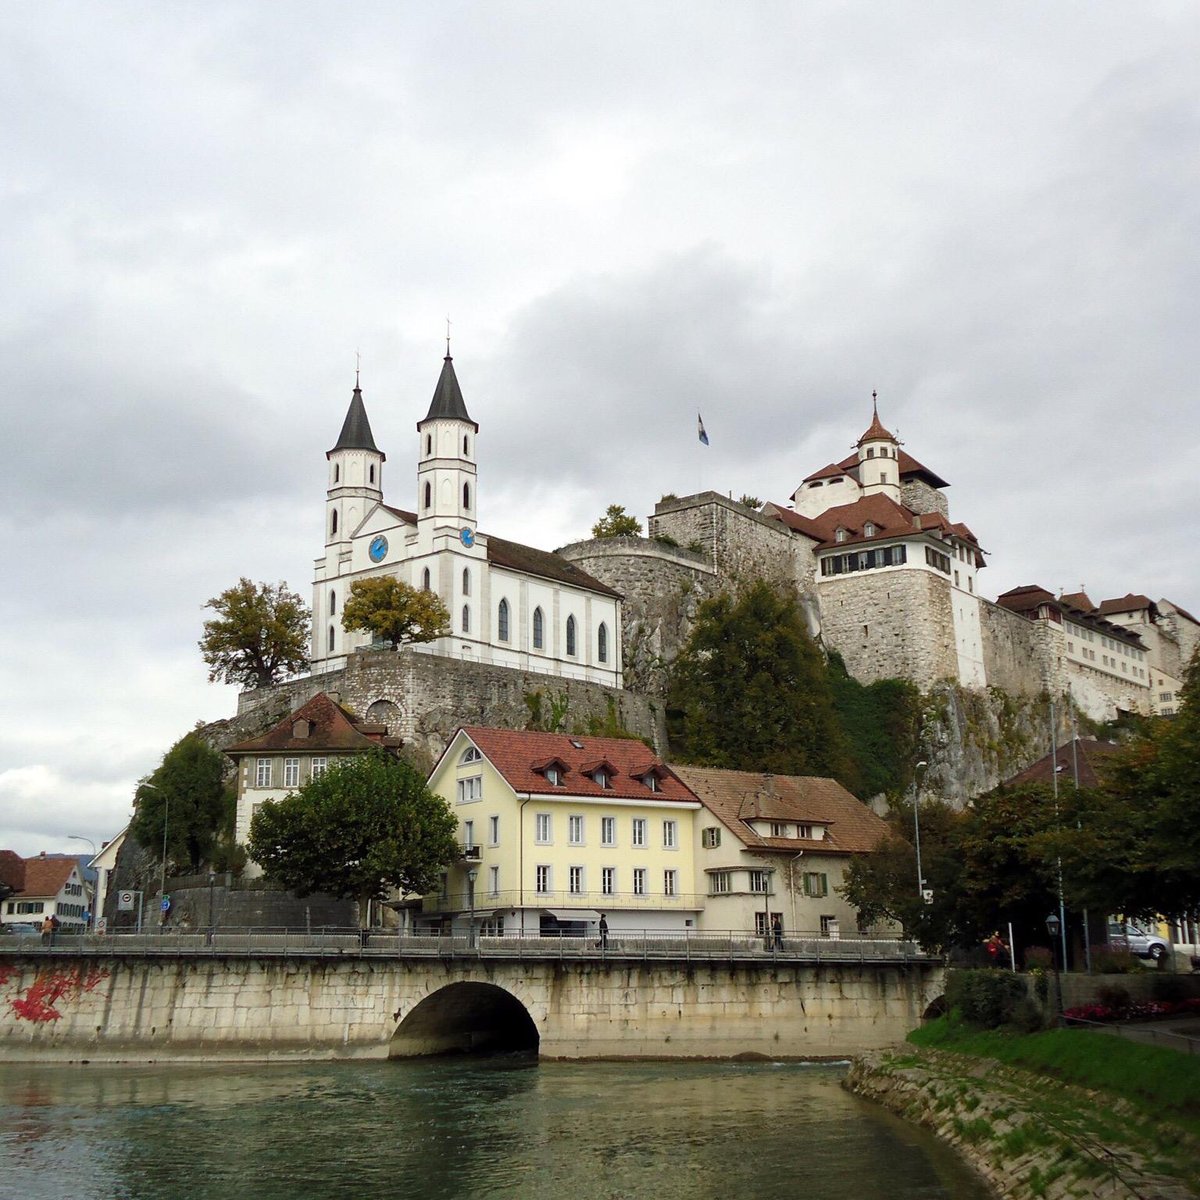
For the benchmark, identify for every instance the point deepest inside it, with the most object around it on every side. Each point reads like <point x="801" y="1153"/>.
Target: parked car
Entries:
<point x="21" y="928"/>
<point x="1131" y="937"/>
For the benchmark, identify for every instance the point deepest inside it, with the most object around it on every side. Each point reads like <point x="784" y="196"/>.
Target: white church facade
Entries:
<point x="510" y="605"/>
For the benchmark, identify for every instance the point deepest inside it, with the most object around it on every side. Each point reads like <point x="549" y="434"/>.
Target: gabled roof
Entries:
<point x="835" y="470"/>
<point x="447" y="403"/>
<point x="1027" y="599"/>
<point x="1080" y="600"/>
<point x="516" y="753"/>
<point x="46" y="876"/>
<point x="1127" y="603"/>
<point x="12" y="870"/>
<point x="356" y="429"/>
<point x="1089" y="753"/>
<point x="793" y="520"/>
<point x="735" y="797"/>
<point x="332" y="730"/>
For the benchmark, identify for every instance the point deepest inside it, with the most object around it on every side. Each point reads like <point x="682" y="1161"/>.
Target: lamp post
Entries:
<point x="1053" y="926"/>
<point x="917" y="826"/>
<point x="212" y="879"/>
<point x="472" y="875"/>
<point x="74" y="837"/>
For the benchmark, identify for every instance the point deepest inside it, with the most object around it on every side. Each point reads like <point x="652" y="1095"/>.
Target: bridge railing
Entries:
<point x="648" y="944"/>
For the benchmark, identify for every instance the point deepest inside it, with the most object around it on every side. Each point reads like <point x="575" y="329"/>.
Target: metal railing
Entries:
<point x="621" y="946"/>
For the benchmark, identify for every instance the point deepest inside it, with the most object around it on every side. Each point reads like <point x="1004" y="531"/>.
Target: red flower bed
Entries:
<point x="1136" y="1010"/>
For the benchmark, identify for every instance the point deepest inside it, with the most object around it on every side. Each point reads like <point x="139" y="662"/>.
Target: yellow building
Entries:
<point x="557" y="830"/>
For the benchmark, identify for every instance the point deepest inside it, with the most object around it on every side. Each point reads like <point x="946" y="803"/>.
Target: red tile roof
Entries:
<point x="909" y="468"/>
<point x="45" y="876"/>
<point x="332" y="729"/>
<point x="1079" y="600"/>
<point x="876" y="432"/>
<point x="1127" y="603"/>
<point x="737" y="796"/>
<point x="515" y="753"/>
<point x="12" y="870"/>
<point x="1087" y="752"/>
<point x="793" y="520"/>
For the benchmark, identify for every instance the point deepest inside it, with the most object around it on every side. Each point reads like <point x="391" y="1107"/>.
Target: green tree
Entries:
<point x="750" y="501"/>
<point x="368" y="824"/>
<point x="395" y="611"/>
<point x="616" y="522"/>
<point x="260" y="633"/>
<point x="749" y="691"/>
<point x="187" y="794"/>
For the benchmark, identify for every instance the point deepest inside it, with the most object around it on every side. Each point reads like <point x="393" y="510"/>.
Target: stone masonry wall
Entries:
<point x="1019" y="655"/>
<point x="921" y="498"/>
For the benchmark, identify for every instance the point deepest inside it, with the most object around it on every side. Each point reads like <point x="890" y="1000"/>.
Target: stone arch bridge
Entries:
<point x="121" y="1002"/>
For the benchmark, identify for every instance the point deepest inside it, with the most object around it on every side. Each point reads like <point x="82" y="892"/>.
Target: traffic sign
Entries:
<point x="166" y="904"/>
<point x="125" y="901"/>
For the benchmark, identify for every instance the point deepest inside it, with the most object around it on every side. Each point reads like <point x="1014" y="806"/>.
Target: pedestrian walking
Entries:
<point x="48" y="931"/>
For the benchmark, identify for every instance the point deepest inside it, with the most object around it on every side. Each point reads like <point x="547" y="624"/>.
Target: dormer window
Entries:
<point x="600" y="773"/>
<point x="840" y="535"/>
<point x="869" y="529"/>
<point x="651" y="778"/>
<point x="301" y="728"/>
<point x="601" y="778"/>
<point x="554" y="776"/>
<point x="553" y="770"/>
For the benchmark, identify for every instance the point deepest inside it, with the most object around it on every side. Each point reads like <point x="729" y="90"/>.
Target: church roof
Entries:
<point x="356" y="429"/>
<point x="528" y="560"/>
<point x="320" y="725"/>
<point x="447" y="403"/>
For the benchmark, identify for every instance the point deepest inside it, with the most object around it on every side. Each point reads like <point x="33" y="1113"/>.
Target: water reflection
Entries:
<point x="460" y="1129"/>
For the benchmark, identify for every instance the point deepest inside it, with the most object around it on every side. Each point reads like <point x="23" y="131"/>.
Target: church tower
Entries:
<point x="446" y="497"/>
<point x="879" y="459"/>
<point x="355" y="475"/>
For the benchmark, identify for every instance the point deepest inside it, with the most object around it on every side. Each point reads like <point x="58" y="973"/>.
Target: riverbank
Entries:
<point x="1031" y="1135"/>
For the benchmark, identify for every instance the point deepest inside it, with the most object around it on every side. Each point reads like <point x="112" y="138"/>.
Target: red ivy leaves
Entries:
<point x="51" y="987"/>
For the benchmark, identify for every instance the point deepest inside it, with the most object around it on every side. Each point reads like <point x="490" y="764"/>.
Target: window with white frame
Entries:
<point x="575" y="830"/>
<point x="816" y="884"/>
<point x="470" y="790"/>
<point x="542" y="879"/>
<point x="719" y="883"/>
<point x="262" y="773"/>
<point x="541" y="829"/>
<point x="608" y="831"/>
<point x="608" y="880"/>
<point x="639" y="831"/>
<point x="469" y="755"/>
<point x="320" y="764"/>
<point x="760" y="881"/>
<point x="291" y="772"/>
<point x="493" y="831"/>
<point x="493" y="880"/>
<point x="575" y="880"/>
<point x="670" y="835"/>
<point x="710" y="838"/>
<point x="670" y="881"/>
<point x="639" y="881"/>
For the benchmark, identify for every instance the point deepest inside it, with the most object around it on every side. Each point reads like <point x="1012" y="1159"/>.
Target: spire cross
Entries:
<point x="357" y="366"/>
<point x="447" y="336"/>
<point x="875" y="402"/>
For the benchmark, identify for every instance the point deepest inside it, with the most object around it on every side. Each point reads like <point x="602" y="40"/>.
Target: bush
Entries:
<point x="1106" y="961"/>
<point x="1039" y="958"/>
<point x="986" y="998"/>
<point x="1115" y="998"/>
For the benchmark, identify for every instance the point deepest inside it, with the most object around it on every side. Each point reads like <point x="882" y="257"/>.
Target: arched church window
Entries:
<point x="539" y="630"/>
<point x="371" y="472"/>
<point x="467" y="496"/>
<point x="466" y="618"/>
<point x="466" y="447"/>
<point x="333" y="522"/>
<point x="425" y="580"/>
<point x="502" y="621"/>
<point x="332" y="636"/>
<point x="332" y="603"/>
<point x="337" y="472"/>
<point x="466" y="582"/>
<point x="602" y="642"/>
<point x="571" y="636"/>
<point x="428" y="494"/>
<point x="428" y="444"/>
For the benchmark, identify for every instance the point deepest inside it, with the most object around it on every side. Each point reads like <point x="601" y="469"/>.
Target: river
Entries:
<point x="466" y="1129"/>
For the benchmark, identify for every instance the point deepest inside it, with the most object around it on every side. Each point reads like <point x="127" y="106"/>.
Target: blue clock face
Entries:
<point x="468" y="538"/>
<point x="378" y="549"/>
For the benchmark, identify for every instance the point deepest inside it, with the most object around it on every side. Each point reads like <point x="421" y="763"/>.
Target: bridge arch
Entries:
<point x="465" y="1018"/>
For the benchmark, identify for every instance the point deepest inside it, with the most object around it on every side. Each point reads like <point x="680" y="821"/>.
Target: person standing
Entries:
<point x="48" y="931"/>
<point x="603" y="944"/>
<point x="777" y="931"/>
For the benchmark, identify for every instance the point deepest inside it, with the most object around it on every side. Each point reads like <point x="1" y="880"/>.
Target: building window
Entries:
<point x="602" y="643"/>
<point x="710" y="838"/>
<point x="816" y="884"/>
<point x="471" y="754"/>
<point x="493" y="831"/>
<point x="470" y="790"/>
<point x="337" y="473"/>
<point x="601" y="778"/>
<point x="332" y="641"/>
<point x="333" y="522"/>
<point x="542" y="879"/>
<point x="804" y="831"/>
<point x="319" y="766"/>
<point x="428" y="444"/>
<point x="425" y="580"/>
<point x="371" y="473"/>
<point x="669" y="883"/>
<point x="467" y="497"/>
<point x="571" y="636"/>
<point x="428" y="493"/>
<point x="332" y="603"/>
<point x="553" y="775"/>
<point x="466" y="619"/>
<point x="760" y="881"/>
<point x="575" y="830"/>
<point x="542" y="829"/>
<point x="639" y="831"/>
<point x="670" y="835"/>
<point x="608" y="880"/>
<point x="779" y="829"/>
<point x="829" y="927"/>
<point x="639" y="881"/>
<point x="466" y="582"/>
<point x="575" y="880"/>
<point x="493" y="881"/>
<point x="502" y="621"/>
<point x="539" y="629"/>
<point x="608" y="831"/>
<point x="469" y="834"/>
<point x="262" y="773"/>
<point x="719" y="883"/>
<point x="291" y="772"/>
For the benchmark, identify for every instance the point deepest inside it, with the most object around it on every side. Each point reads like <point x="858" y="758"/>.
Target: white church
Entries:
<point x="510" y="605"/>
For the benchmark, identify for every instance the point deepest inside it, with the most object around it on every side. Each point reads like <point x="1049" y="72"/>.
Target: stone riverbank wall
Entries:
<point x="96" y="1007"/>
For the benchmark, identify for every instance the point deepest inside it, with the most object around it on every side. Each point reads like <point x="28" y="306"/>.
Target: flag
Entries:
<point x="700" y="429"/>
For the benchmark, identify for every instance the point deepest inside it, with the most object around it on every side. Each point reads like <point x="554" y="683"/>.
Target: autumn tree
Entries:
<point x="259" y="634"/>
<point x="395" y="611"/>
<point x="186" y="795"/>
<point x="616" y="522"/>
<point x="749" y="691"/>
<point x="366" y="825"/>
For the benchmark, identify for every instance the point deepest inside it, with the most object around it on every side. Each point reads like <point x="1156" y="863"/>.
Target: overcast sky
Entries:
<point x="990" y="213"/>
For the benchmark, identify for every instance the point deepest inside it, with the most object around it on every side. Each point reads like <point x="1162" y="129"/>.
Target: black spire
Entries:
<point x="356" y="429"/>
<point x="447" y="403"/>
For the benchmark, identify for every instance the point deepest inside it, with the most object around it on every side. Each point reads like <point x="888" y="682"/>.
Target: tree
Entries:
<point x="187" y="794"/>
<point x="368" y="824"/>
<point x="260" y="633"/>
<point x="749" y="691"/>
<point x="616" y="522"/>
<point x="395" y="611"/>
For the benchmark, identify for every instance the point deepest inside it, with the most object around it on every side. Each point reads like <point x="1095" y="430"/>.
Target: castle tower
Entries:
<point x="446" y="497"/>
<point x="879" y="459"/>
<point x="355" y="475"/>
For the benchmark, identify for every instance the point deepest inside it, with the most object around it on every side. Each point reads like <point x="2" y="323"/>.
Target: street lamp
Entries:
<point x="1053" y="926"/>
<point x="472" y="875"/>
<point x="917" y="826"/>
<point x="74" y="837"/>
<point x="212" y="878"/>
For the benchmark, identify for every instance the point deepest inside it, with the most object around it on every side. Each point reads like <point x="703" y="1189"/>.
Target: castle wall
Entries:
<point x="1020" y="656"/>
<point x="893" y="622"/>
<point x="921" y="498"/>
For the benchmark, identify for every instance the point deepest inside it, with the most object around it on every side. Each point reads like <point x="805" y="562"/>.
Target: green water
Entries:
<point x="463" y="1129"/>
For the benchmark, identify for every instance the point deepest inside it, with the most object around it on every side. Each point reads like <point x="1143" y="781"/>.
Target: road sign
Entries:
<point x="102" y="925"/>
<point x="125" y="901"/>
<point x="166" y="904"/>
